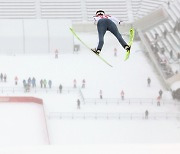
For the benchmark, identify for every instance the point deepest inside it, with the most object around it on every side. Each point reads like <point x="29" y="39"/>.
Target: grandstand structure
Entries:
<point x="77" y="10"/>
<point x="141" y="8"/>
<point x="161" y="39"/>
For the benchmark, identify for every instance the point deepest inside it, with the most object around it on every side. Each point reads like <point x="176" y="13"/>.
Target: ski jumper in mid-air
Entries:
<point x="107" y="23"/>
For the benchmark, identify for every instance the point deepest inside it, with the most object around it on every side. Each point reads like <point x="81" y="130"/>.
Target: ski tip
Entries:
<point x="71" y="29"/>
<point x="110" y="65"/>
<point x="132" y="31"/>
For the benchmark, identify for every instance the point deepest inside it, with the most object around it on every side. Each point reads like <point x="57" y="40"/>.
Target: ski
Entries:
<point x="74" y="33"/>
<point x="131" y="38"/>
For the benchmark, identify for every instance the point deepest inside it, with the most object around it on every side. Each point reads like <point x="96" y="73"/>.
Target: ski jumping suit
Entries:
<point x="104" y="23"/>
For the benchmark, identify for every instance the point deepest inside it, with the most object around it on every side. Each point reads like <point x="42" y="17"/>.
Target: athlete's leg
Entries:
<point x="113" y="29"/>
<point x="102" y="28"/>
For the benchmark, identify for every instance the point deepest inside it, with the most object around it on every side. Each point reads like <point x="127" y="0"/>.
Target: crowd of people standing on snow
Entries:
<point x="44" y="83"/>
<point x="31" y="82"/>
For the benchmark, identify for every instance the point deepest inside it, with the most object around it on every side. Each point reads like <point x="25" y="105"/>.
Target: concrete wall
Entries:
<point x="35" y="36"/>
<point x="173" y="79"/>
<point x="151" y="19"/>
<point x="11" y="36"/>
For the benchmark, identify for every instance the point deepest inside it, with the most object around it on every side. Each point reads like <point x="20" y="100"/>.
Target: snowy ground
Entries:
<point x="22" y="124"/>
<point x="130" y="76"/>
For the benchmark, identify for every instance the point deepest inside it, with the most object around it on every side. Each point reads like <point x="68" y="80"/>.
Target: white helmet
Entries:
<point x="100" y="12"/>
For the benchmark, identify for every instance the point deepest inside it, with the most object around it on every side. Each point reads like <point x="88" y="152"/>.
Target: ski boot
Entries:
<point x="127" y="48"/>
<point x="96" y="51"/>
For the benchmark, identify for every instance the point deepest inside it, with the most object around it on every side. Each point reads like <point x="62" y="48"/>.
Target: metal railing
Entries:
<point x="112" y="116"/>
<point x="37" y="90"/>
<point x="16" y="90"/>
<point x="130" y="101"/>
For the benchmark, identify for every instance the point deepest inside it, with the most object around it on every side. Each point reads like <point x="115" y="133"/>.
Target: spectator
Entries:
<point x="115" y="52"/>
<point x="153" y="47"/>
<point x="56" y="53"/>
<point x="156" y="47"/>
<point x="76" y="48"/>
<point x="171" y="54"/>
<point x="1" y="77"/>
<point x="29" y="81"/>
<point x="168" y="4"/>
<point x="158" y="100"/>
<point x="146" y="114"/>
<point x="16" y="80"/>
<point x="122" y="95"/>
<point x="41" y="83"/>
<point x="74" y="83"/>
<point x="162" y="50"/>
<point x="83" y="83"/>
<point x="165" y="33"/>
<point x="163" y="63"/>
<point x="45" y="83"/>
<point x="156" y="36"/>
<point x="178" y="55"/>
<point x="160" y="93"/>
<point x="50" y="83"/>
<point x="33" y="82"/>
<point x="5" y="77"/>
<point x="175" y="27"/>
<point x="148" y="81"/>
<point x="178" y="24"/>
<point x="60" y="88"/>
<point x="24" y="83"/>
<point x="27" y="87"/>
<point x="173" y="93"/>
<point x="100" y="94"/>
<point x="78" y="104"/>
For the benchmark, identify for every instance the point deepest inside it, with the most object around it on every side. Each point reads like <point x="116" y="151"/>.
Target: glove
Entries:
<point x="120" y="22"/>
